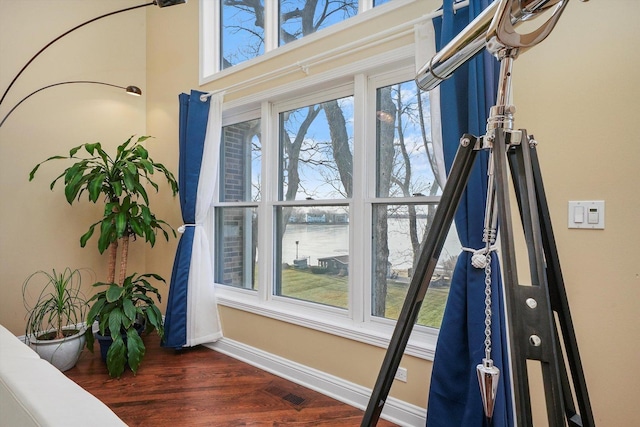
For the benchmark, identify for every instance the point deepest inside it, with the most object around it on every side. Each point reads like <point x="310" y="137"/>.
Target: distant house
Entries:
<point x="313" y="218"/>
<point x="324" y="218"/>
<point x="335" y="264"/>
<point x="340" y="218"/>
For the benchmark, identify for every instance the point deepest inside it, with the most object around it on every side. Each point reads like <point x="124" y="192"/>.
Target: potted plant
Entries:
<point x="55" y="325"/>
<point x="123" y="312"/>
<point x="119" y="182"/>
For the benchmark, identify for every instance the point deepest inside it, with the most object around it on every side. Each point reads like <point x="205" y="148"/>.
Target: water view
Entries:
<point x="314" y="241"/>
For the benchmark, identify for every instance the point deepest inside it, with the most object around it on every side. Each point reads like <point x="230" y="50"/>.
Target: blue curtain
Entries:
<point x="454" y="394"/>
<point x="194" y="114"/>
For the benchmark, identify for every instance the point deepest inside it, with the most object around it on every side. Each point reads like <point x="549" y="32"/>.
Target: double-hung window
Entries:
<point x="314" y="189"/>
<point x="236" y="214"/>
<point x="324" y="201"/>
<point x="409" y="179"/>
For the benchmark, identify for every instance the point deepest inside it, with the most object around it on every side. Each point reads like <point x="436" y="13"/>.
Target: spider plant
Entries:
<point x="58" y="306"/>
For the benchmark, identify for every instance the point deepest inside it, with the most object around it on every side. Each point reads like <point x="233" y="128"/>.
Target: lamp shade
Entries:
<point x="133" y="90"/>
<point x="164" y="3"/>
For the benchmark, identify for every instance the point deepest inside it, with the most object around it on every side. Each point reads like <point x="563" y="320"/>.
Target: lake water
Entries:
<point x="324" y="240"/>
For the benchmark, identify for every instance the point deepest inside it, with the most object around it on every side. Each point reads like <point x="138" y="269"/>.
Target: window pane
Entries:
<point x="236" y="246"/>
<point x="299" y="18"/>
<point x="316" y="146"/>
<point x="241" y="162"/>
<point x="405" y="152"/>
<point x="313" y="254"/>
<point x="242" y="35"/>
<point x="379" y="2"/>
<point x="398" y="231"/>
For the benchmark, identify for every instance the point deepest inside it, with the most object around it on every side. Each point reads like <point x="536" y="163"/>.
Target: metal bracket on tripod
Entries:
<point x="535" y="313"/>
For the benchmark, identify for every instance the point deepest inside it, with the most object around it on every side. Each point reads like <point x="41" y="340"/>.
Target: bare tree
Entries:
<point x="340" y="144"/>
<point x="386" y="154"/>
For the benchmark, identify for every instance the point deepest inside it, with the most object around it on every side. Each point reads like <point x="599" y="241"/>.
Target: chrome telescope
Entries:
<point x="494" y="29"/>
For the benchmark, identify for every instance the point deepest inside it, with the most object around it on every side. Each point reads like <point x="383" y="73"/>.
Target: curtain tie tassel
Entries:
<point x="183" y="227"/>
<point x="479" y="257"/>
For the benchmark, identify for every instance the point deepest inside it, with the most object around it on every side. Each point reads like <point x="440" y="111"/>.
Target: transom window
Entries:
<point x="245" y="29"/>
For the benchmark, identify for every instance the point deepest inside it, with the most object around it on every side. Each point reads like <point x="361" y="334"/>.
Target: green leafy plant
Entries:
<point x="120" y="182"/>
<point x="56" y="307"/>
<point x="119" y="308"/>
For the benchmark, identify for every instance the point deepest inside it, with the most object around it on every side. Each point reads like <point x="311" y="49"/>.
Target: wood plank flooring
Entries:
<point x="201" y="387"/>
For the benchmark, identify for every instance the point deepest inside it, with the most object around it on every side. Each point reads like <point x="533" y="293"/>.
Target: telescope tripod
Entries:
<point x="538" y="318"/>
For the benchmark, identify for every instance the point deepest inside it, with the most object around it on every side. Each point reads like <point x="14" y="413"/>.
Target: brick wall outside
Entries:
<point x="234" y="175"/>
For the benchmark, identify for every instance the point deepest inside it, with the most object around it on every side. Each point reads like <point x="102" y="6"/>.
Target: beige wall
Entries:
<point x="577" y="93"/>
<point x="38" y="229"/>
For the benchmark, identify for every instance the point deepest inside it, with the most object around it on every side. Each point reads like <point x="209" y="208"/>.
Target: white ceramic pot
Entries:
<point x="62" y="353"/>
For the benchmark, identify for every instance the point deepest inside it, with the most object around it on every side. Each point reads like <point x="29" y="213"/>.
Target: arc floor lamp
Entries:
<point x="133" y="90"/>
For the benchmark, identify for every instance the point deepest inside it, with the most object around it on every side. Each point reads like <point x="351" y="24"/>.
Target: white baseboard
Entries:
<point x="395" y="410"/>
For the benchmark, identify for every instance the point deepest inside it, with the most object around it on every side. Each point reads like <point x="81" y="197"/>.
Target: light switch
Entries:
<point x="578" y="214"/>
<point x="586" y="214"/>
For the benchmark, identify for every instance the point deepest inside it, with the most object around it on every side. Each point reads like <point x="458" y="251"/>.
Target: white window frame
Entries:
<point x="356" y="322"/>
<point x="361" y="79"/>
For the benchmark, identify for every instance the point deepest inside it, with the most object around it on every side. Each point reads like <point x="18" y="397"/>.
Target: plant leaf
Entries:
<point x="73" y="178"/>
<point x="91" y="147"/>
<point x="129" y="181"/>
<point x="121" y="223"/>
<point x="114" y="293"/>
<point x="135" y="349"/>
<point x="140" y="189"/>
<point x="155" y="318"/>
<point x="129" y="309"/>
<point x="88" y="337"/>
<point x="74" y="150"/>
<point x="142" y="152"/>
<point x="105" y="239"/>
<point x="136" y="227"/>
<point x="116" y="321"/>
<point x="95" y="185"/>
<point x="117" y="187"/>
<point x="86" y="236"/>
<point x="95" y="310"/>
<point x="148" y="166"/>
<point x="116" y="357"/>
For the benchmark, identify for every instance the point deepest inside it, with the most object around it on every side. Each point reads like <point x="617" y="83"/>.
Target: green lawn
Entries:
<point x="331" y="290"/>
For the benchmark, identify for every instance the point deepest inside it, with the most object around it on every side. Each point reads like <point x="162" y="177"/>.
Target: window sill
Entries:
<point x="375" y="332"/>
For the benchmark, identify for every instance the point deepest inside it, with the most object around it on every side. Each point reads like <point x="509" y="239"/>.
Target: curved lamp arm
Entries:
<point x="160" y="3"/>
<point x="132" y="90"/>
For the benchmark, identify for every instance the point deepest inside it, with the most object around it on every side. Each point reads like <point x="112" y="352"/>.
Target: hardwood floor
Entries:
<point x="201" y="387"/>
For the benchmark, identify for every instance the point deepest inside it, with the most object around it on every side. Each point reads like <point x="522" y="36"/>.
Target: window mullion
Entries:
<point x="210" y="30"/>
<point x="370" y="159"/>
<point x="269" y="194"/>
<point x="271" y="25"/>
<point x="364" y="5"/>
<point x="360" y="276"/>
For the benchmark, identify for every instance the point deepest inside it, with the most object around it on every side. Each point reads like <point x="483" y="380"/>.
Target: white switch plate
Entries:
<point x="586" y="214"/>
